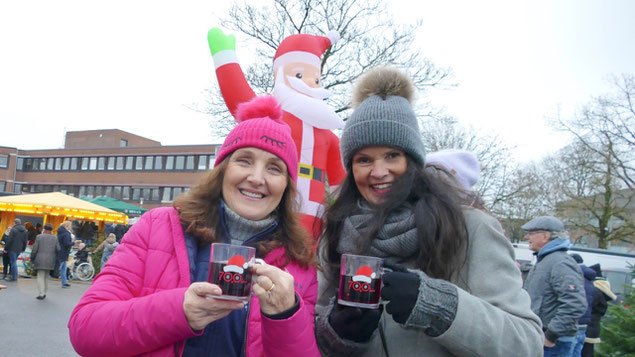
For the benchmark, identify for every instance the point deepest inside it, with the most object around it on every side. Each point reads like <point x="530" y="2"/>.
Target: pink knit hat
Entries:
<point x="260" y="126"/>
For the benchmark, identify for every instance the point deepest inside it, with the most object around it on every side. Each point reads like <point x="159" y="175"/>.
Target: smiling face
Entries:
<point x="309" y="74"/>
<point x="254" y="182"/>
<point x="375" y="168"/>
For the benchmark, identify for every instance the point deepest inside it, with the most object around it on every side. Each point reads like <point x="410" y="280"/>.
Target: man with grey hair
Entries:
<point x="555" y="284"/>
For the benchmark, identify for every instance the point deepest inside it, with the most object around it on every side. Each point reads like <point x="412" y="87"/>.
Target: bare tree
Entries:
<point x="444" y="132"/>
<point x="606" y="127"/>
<point x="590" y="195"/>
<point x="369" y="38"/>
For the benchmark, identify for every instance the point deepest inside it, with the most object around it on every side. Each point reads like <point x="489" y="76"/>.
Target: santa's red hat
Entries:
<point x="364" y="274"/>
<point x="236" y="264"/>
<point x="303" y="48"/>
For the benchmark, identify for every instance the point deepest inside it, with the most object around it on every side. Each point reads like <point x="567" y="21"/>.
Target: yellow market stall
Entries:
<point x="55" y="207"/>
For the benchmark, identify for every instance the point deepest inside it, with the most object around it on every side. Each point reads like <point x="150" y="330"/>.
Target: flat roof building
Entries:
<point x="110" y="163"/>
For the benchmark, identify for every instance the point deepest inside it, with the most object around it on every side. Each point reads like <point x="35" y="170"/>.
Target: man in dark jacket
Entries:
<point x="66" y="242"/>
<point x="589" y="290"/>
<point x="16" y="244"/>
<point x="44" y="258"/>
<point x="555" y="285"/>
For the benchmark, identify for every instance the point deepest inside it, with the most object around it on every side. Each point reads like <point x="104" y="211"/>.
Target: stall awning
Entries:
<point x="59" y="204"/>
<point x="117" y="205"/>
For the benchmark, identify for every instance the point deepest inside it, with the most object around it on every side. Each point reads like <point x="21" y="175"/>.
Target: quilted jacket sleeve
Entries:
<point x="294" y="336"/>
<point x="116" y="316"/>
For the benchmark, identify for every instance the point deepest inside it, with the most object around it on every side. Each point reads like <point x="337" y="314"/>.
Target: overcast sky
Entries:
<point x="138" y="65"/>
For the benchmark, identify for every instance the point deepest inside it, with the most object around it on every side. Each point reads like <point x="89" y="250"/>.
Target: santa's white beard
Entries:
<point x="310" y="110"/>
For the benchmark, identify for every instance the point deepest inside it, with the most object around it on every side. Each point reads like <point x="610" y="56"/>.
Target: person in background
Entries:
<point x="454" y="289"/>
<point x="555" y="284"/>
<point x="16" y="244"/>
<point x="119" y="230"/>
<point x="32" y="232"/>
<point x="589" y="290"/>
<point x="66" y="242"/>
<point x="6" y="262"/>
<point x="153" y="296"/>
<point x="461" y="169"/>
<point x="108" y="245"/>
<point x="44" y="258"/>
<point x="602" y="294"/>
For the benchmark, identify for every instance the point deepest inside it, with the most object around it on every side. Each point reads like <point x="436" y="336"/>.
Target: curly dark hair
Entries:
<point x="199" y="210"/>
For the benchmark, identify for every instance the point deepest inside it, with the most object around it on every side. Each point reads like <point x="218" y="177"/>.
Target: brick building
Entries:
<point x="107" y="163"/>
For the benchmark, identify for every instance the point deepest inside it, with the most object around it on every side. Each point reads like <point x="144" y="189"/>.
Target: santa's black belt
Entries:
<point x="310" y="172"/>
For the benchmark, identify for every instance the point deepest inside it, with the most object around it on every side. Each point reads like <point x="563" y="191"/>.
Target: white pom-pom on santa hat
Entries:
<point x="334" y="36"/>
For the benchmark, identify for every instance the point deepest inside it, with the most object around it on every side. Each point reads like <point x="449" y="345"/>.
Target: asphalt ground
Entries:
<point x="37" y="328"/>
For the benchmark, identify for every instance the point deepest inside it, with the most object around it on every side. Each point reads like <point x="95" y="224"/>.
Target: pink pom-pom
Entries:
<point x="259" y="107"/>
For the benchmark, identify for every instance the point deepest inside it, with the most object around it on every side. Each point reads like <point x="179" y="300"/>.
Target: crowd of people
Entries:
<point x="450" y="285"/>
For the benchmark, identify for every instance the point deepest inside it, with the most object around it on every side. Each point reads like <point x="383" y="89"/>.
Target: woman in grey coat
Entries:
<point x="44" y="258"/>
<point x="453" y="288"/>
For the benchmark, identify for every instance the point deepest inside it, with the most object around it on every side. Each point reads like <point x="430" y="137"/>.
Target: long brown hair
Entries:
<point x="199" y="210"/>
<point x="441" y="229"/>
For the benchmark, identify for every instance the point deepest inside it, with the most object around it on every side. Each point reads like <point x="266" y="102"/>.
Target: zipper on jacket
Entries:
<point x="244" y="352"/>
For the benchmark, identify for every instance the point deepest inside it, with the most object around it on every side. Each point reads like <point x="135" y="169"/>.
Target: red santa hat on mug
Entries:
<point x="260" y="126"/>
<point x="236" y="264"/>
<point x="364" y="274"/>
<point x="304" y="48"/>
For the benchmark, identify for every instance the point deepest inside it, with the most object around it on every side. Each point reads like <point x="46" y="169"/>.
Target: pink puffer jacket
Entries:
<point x="135" y="305"/>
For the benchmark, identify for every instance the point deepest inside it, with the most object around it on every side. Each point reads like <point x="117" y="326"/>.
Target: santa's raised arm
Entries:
<point x="298" y="88"/>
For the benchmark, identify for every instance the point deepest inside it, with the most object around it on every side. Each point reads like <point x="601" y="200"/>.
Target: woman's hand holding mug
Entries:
<point x="201" y="308"/>
<point x="274" y="289"/>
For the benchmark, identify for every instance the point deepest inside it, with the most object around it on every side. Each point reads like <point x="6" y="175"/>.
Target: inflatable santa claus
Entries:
<point x="298" y="88"/>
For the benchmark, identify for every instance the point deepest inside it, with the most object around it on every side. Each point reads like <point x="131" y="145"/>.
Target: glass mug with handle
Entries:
<point x="230" y="268"/>
<point x="360" y="281"/>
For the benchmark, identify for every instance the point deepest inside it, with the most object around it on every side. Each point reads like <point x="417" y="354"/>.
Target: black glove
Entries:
<point x="401" y="288"/>
<point x="354" y="323"/>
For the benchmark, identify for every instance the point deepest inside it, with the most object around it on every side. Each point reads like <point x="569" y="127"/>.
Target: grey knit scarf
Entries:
<point x="241" y="229"/>
<point x="396" y="238"/>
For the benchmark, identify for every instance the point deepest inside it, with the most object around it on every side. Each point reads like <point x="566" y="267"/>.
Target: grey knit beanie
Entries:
<point x="382" y="115"/>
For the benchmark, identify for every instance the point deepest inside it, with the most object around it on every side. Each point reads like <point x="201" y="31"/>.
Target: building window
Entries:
<point x="28" y="164"/>
<point x="120" y="162"/>
<point x="19" y="164"/>
<point x="202" y="162"/>
<point x="17" y="187"/>
<point x="155" y="194"/>
<point x="125" y="195"/>
<point x="58" y="164"/>
<point x="111" y="163"/>
<point x="158" y="162"/>
<point x="116" y="192"/>
<point x="4" y="161"/>
<point x="50" y="163"/>
<point x="149" y="162"/>
<point x="99" y="191"/>
<point x="123" y="143"/>
<point x="82" y="191"/>
<point x="212" y="158"/>
<point x="167" y="192"/>
<point x="85" y="163"/>
<point x="90" y="191"/>
<point x="146" y="194"/>
<point x="180" y="163"/>
<point x="136" y="194"/>
<point x="176" y="191"/>
<point x="189" y="162"/>
<point x="108" y="191"/>
<point x="42" y="164"/>
<point x="74" y="163"/>
<point x="93" y="164"/>
<point x="169" y="163"/>
<point x="2" y="186"/>
<point x="139" y="165"/>
<point x="66" y="163"/>
<point x="101" y="163"/>
<point x="129" y="162"/>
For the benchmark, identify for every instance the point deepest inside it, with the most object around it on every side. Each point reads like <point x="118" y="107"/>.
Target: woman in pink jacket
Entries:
<point x="153" y="298"/>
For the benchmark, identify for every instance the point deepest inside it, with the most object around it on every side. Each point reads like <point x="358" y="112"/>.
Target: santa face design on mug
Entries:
<point x="233" y="277"/>
<point x="362" y="288"/>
